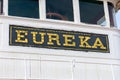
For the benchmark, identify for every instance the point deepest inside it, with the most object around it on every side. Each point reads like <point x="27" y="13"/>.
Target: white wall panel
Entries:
<point x="85" y="71"/>
<point x="116" y="72"/>
<point x="56" y="70"/>
<point x="116" y="47"/>
<point x="79" y="71"/>
<point x="105" y="72"/>
<point x="91" y="72"/>
<point x="12" y="68"/>
<point x="35" y="72"/>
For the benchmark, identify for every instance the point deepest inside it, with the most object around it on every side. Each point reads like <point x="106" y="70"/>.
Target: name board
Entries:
<point x="57" y="39"/>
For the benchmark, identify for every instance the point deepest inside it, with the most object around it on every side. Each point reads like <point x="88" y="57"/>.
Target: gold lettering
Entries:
<point x="34" y="37"/>
<point x="21" y="36"/>
<point x="98" y="43"/>
<point x="53" y="37"/>
<point x="69" y="40"/>
<point x="84" y="41"/>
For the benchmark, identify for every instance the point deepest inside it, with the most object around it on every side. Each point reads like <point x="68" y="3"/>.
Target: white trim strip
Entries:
<point x="106" y="13"/>
<point x="76" y="11"/>
<point x="42" y="9"/>
<point x="5" y="7"/>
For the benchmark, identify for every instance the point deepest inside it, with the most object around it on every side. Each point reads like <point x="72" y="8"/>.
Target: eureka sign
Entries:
<point x="57" y="39"/>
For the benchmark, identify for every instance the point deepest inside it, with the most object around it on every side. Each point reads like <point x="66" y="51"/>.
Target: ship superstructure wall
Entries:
<point x="20" y="62"/>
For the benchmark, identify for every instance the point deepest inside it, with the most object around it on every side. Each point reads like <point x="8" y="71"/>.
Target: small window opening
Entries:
<point x="1" y="6"/>
<point x="24" y="8"/>
<point x="59" y="9"/>
<point x="92" y="12"/>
